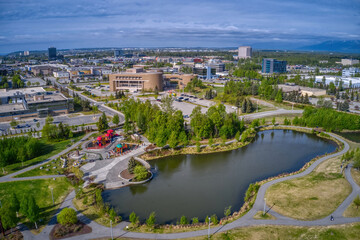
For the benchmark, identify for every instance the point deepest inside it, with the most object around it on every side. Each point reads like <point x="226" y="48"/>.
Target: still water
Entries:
<point x="204" y="184"/>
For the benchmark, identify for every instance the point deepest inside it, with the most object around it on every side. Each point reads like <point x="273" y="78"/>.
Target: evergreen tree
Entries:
<point x="8" y="216"/>
<point x="33" y="211"/>
<point x="116" y="119"/>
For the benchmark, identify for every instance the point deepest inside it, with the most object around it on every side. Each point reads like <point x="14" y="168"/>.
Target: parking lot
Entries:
<point x="186" y="103"/>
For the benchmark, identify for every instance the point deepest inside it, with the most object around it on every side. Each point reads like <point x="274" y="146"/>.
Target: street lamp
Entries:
<point x="111" y="230"/>
<point x="52" y="195"/>
<point x="209" y="229"/>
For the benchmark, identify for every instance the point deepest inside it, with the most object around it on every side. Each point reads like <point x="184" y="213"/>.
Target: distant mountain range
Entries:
<point x="335" y="46"/>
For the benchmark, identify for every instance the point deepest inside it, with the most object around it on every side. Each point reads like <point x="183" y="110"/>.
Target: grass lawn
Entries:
<point x="48" y="169"/>
<point x="313" y="196"/>
<point x="49" y="89"/>
<point x="280" y="118"/>
<point x="267" y="216"/>
<point x="356" y="175"/>
<point x="53" y="148"/>
<point x="346" y="231"/>
<point x="90" y="209"/>
<point x="41" y="191"/>
<point x="352" y="211"/>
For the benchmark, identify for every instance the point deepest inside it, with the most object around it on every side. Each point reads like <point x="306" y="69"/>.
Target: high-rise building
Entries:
<point x="52" y="53"/>
<point x="26" y="53"/>
<point x="245" y="52"/>
<point x="270" y="65"/>
<point x="118" y="53"/>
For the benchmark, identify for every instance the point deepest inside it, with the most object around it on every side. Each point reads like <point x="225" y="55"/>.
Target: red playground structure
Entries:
<point x="102" y="141"/>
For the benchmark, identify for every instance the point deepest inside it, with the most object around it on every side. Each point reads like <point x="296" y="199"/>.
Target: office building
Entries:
<point x="244" y="52"/>
<point x="350" y="72"/>
<point x="349" y="61"/>
<point x="273" y="66"/>
<point x="202" y="71"/>
<point x="181" y="79"/>
<point x="217" y="65"/>
<point x="52" y="53"/>
<point x="136" y="81"/>
<point x="26" y="53"/>
<point x="32" y="102"/>
<point x="118" y="53"/>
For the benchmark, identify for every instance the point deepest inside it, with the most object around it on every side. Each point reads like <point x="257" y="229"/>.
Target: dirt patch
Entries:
<point x="61" y="232"/>
<point x="15" y="234"/>
<point x="126" y="174"/>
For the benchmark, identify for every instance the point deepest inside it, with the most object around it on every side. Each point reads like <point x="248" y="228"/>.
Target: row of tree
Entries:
<point x="27" y="207"/>
<point x="329" y="119"/>
<point x="215" y="122"/>
<point x="19" y="149"/>
<point x="53" y="132"/>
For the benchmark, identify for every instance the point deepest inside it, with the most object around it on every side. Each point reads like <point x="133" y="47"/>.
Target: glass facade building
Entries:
<point x="273" y="66"/>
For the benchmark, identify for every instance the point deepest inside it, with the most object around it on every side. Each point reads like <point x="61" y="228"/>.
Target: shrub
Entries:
<point x="183" y="220"/>
<point x="67" y="216"/>
<point x="133" y="218"/>
<point x="214" y="219"/>
<point x="195" y="220"/>
<point x="150" y="222"/>
<point x="227" y="211"/>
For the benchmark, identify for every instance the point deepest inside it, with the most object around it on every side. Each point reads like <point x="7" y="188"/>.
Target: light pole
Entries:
<point x="111" y="230"/>
<point x="209" y="229"/>
<point x="264" y="205"/>
<point x="52" y="195"/>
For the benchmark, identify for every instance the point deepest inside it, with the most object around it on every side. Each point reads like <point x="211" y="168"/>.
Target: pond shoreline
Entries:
<point x="243" y="210"/>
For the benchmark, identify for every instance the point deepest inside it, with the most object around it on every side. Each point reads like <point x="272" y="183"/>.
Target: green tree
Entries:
<point x="98" y="198"/>
<point x="150" y="222"/>
<point x="173" y="140"/>
<point x="131" y="165"/>
<point x="102" y="124"/>
<point x="133" y="218"/>
<point x="8" y="216"/>
<point x="194" y="220"/>
<point x="140" y="172"/>
<point x="214" y="219"/>
<point x="357" y="201"/>
<point x="14" y="202"/>
<point x="116" y="119"/>
<point x="279" y="97"/>
<point x="33" y="211"/>
<point x="24" y="205"/>
<point x="112" y="214"/>
<point x="273" y="121"/>
<point x="67" y="216"/>
<point x="183" y="220"/>
<point x="227" y="211"/>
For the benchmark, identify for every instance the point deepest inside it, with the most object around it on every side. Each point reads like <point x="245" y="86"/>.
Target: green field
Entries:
<point x="41" y="190"/>
<point x="41" y="172"/>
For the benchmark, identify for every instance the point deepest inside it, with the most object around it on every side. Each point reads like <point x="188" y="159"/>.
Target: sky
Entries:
<point x="263" y="24"/>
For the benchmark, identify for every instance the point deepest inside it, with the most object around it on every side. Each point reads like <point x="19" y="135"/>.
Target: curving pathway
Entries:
<point x="99" y="231"/>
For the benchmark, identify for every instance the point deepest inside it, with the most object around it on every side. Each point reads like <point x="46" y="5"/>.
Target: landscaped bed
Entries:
<point x="60" y="231"/>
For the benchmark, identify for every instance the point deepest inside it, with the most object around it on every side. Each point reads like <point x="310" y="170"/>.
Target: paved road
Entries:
<point x="269" y="113"/>
<point x="99" y="231"/>
<point x="9" y="177"/>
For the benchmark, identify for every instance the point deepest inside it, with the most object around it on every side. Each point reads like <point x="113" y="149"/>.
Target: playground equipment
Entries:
<point x="121" y="147"/>
<point x="104" y="139"/>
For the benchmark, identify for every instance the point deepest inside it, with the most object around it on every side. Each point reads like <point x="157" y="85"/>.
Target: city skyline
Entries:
<point x="34" y="25"/>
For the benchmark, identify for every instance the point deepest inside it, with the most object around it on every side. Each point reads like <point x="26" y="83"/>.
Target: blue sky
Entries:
<point x="266" y="24"/>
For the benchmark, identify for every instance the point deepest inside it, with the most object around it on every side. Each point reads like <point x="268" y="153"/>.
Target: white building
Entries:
<point x="26" y="53"/>
<point x="355" y="81"/>
<point x="245" y="52"/>
<point x="349" y="61"/>
<point x="350" y="72"/>
<point x="61" y="74"/>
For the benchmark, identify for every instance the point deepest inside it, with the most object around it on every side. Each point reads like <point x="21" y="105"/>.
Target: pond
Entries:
<point x="204" y="184"/>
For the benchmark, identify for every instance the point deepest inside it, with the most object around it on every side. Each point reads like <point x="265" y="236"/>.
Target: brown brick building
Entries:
<point x="136" y="81"/>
